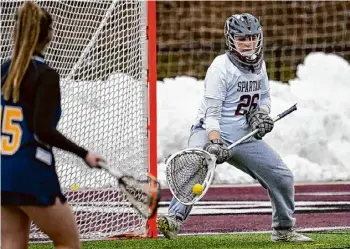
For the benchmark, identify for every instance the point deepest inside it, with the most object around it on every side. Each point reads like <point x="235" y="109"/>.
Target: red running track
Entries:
<point x="247" y="208"/>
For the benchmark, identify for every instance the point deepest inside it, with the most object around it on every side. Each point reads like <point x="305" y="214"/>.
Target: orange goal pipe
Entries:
<point x="152" y="101"/>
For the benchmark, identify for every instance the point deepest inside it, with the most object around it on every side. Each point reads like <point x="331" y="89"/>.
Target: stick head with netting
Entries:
<point x="187" y="168"/>
<point x="143" y="194"/>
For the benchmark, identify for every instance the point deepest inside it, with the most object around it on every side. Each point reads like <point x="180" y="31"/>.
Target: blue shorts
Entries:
<point x="25" y="180"/>
<point x="22" y="199"/>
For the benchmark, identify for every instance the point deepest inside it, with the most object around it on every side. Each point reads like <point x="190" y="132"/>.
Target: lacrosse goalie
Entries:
<point x="236" y="101"/>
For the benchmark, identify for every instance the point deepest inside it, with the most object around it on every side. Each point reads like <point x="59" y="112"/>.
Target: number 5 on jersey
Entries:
<point x="11" y="132"/>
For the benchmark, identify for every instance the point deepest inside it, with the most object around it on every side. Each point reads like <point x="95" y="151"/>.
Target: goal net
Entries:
<point x="99" y="49"/>
<point x="191" y="33"/>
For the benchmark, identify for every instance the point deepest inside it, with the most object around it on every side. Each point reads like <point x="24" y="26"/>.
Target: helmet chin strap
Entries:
<point x="249" y="54"/>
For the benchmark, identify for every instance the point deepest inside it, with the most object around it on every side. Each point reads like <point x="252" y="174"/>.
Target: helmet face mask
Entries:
<point x="244" y="39"/>
<point x="247" y="46"/>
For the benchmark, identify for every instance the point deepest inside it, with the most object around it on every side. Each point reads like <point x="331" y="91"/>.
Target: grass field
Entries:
<point x="330" y="240"/>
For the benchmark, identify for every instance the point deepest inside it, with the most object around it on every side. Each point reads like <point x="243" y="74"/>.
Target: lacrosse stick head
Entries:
<point x="186" y="168"/>
<point x="144" y="195"/>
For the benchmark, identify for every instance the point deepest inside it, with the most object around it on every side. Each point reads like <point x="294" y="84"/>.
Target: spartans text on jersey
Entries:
<point x="249" y="86"/>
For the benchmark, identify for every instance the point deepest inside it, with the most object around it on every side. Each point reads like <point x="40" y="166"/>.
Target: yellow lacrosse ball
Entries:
<point x="197" y="189"/>
<point x="74" y="187"/>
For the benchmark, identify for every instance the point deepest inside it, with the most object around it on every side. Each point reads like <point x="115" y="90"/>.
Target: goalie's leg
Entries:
<point x="168" y="226"/>
<point x="178" y="212"/>
<point x="260" y="161"/>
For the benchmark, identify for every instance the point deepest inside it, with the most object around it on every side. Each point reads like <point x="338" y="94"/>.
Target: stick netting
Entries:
<point x="185" y="170"/>
<point x="99" y="49"/>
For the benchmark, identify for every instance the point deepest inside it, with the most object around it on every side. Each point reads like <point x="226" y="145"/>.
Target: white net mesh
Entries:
<point x="99" y="49"/>
<point x="184" y="171"/>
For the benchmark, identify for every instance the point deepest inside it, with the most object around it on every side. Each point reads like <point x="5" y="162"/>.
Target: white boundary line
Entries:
<point x="307" y="230"/>
<point x="258" y="185"/>
<point x="296" y="184"/>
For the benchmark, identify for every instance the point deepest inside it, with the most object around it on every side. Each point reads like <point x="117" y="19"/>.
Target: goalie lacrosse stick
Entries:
<point x="191" y="166"/>
<point x="144" y="195"/>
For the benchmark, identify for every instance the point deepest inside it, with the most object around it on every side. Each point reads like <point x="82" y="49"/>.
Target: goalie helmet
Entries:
<point x="244" y="39"/>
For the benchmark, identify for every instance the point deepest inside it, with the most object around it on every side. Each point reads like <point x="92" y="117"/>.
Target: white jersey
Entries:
<point x="238" y="92"/>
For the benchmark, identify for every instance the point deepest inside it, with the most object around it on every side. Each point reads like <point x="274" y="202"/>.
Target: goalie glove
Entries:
<point x="259" y="119"/>
<point x="217" y="148"/>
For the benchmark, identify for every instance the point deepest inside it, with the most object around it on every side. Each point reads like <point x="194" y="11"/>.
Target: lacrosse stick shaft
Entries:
<point x="104" y="166"/>
<point x="278" y="117"/>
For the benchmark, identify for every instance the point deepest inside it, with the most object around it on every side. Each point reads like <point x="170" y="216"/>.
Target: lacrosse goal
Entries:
<point x="105" y="54"/>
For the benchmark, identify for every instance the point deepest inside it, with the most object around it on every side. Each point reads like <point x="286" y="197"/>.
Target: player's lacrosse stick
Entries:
<point x="191" y="166"/>
<point x="144" y="195"/>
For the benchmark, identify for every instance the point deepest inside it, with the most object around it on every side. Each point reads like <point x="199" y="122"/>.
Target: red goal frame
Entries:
<point x="152" y="100"/>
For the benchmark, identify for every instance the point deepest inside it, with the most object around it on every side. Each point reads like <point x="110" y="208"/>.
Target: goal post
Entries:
<point x="105" y="53"/>
<point x="152" y="84"/>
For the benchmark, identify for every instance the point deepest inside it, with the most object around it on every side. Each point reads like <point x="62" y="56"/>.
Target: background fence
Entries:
<point x="190" y="33"/>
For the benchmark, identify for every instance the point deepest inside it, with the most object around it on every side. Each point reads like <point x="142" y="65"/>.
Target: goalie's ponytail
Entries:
<point x="29" y="22"/>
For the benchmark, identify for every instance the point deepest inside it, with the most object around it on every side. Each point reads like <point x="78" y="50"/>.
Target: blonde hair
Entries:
<point x="26" y="36"/>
